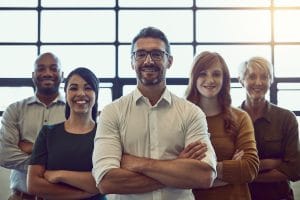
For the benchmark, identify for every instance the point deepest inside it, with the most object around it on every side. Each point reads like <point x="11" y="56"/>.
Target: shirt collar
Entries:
<point x="59" y="99"/>
<point x="166" y="96"/>
<point x="266" y="112"/>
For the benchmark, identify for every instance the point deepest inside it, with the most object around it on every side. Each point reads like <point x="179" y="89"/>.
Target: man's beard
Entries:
<point x="153" y="81"/>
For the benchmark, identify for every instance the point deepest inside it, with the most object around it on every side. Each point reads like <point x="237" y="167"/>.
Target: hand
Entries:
<point x="25" y="146"/>
<point x="53" y="176"/>
<point x="238" y="154"/>
<point x="195" y="150"/>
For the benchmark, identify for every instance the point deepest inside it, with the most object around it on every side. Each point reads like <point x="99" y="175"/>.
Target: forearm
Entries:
<point x="271" y="176"/>
<point x="41" y="187"/>
<point x="269" y="164"/>
<point x="179" y="173"/>
<point x="81" y="180"/>
<point x="219" y="183"/>
<point x="121" y="181"/>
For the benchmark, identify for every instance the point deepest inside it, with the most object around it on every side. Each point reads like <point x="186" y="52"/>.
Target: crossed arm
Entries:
<point x="60" y="184"/>
<point x="268" y="171"/>
<point x="145" y="175"/>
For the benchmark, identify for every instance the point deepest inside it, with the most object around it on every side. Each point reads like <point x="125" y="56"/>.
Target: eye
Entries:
<point x="217" y="74"/>
<point x="140" y="54"/>
<point x="202" y="74"/>
<point x="88" y="87"/>
<point x="72" y="87"/>
<point x="156" y="54"/>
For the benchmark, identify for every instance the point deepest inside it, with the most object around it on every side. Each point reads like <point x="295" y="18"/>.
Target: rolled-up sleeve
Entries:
<point x="11" y="156"/>
<point x="107" y="145"/>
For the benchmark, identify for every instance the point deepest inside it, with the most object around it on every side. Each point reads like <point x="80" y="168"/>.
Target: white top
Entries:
<point x="132" y="125"/>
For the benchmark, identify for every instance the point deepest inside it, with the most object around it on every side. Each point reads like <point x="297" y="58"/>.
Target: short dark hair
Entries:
<point x="152" y="32"/>
<point x="92" y="80"/>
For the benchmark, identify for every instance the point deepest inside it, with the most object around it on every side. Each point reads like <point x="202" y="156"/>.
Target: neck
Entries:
<point x="79" y="124"/>
<point x="210" y="106"/>
<point x="152" y="92"/>
<point x="255" y="108"/>
<point x="47" y="99"/>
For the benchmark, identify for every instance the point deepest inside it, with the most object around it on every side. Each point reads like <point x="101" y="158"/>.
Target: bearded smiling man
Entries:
<point x="151" y="144"/>
<point x="23" y="120"/>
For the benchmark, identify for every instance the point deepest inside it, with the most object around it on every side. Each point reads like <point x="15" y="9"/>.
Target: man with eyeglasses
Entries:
<point x="151" y="144"/>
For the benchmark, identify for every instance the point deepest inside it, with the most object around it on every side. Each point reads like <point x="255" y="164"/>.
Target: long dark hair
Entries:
<point x="202" y="62"/>
<point x="92" y="80"/>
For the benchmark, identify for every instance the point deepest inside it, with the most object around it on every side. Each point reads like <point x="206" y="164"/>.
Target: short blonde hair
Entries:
<point x="256" y="61"/>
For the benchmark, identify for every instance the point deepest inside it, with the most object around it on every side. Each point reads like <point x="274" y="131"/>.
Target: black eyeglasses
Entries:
<point x="156" y="55"/>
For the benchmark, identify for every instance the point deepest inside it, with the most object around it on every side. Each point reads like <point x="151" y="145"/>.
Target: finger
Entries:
<point x="200" y="153"/>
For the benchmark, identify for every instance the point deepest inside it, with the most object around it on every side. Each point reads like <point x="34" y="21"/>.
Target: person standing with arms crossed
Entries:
<point x="23" y="120"/>
<point x="142" y="136"/>
<point x="276" y="133"/>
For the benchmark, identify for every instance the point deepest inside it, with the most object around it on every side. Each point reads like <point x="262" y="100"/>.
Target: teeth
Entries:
<point x="81" y="102"/>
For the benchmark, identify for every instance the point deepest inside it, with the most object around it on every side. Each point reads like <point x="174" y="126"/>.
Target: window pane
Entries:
<point x="183" y="56"/>
<point x="17" y="61"/>
<point x="18" y="26"/>
<point x="286" y="61"/>
<point x="285" y="92"/>
<point x="105" y="97"/>
<point x="100" y="59"/>
<point x="78" y="26"/>
<point x="155" y="3"/>
<point x="285" y="28"/>
<point x="232" y="3"/>
<point x="78" y="3"/>
<point x="13" y="94"/>
<point x="170" y="22"/>
<point x="234" y="55"/>
<point x="286" y="3"/>
<point x="233" y="26"/>
<point x="18" y="3"/>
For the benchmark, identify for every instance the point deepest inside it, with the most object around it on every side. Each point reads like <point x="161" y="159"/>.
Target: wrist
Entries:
<point x="219" y="170"/>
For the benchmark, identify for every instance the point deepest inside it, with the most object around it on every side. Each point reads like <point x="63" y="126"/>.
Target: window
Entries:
<point x="97" y="34"/>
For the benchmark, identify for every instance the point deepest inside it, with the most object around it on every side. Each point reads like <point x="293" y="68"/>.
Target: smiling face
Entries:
<point x="257" y="82"/>
<point x="80" y="95"/>
<point x="150" y="72"/>
<point x="47" y="74"/>
<point x="210" y="81"/>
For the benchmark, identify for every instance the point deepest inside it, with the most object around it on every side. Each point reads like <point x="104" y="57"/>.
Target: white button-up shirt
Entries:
<point x="132" y="125"/>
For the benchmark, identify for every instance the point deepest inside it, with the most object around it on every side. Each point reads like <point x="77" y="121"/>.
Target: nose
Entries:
<point x="209" y="78"/>
<point x="81" y="92"/>
<point x="258" y="81"/>
<point x="148" y="59"/>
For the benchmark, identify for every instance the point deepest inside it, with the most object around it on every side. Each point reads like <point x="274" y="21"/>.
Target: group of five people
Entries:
<point x="151" y="144"/>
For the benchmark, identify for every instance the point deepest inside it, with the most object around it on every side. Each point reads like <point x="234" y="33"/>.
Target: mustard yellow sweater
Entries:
<point x="237" y="173"/>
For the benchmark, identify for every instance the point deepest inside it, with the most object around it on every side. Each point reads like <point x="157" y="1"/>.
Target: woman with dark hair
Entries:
<point x="61" y="161"/>
<point x="231" y="130"/>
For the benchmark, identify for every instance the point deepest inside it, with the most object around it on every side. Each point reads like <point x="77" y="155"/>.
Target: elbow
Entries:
<point x="206" y="180"/>
<point x="104" y="187"/>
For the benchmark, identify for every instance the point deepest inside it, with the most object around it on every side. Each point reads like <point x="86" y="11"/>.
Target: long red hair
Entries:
<point x="202" y="62"/>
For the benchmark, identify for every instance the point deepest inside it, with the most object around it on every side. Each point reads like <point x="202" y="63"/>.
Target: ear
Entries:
<point x="132" y="64"/>
<point x="170" y="62"/>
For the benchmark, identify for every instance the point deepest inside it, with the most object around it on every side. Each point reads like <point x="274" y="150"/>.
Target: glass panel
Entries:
<point x="183" y="55"/>
<point x="18" y="3"/>
<point x="78" y="26"/>
<point x="13" y="94"/>
<point x="17" y="61"/>
<point x="286" y="3"/>
<point x="285" y="29"/>
<point x="78" y="3"/>
<point x="22" y="26"/>
<point x="233" y="26"/>
<point x="105" y="97"/>
<point x="170" y="22"/>
<point x="232" y="3"/>
<point x="285" y="92"/>
<point x="155" y="3"/>
<point x="234" y="55"/>
<point x="238" y="94"/>
<point x="286" y="61"/>
<point x="100" y="59"/>
<point x="285" y="100"/>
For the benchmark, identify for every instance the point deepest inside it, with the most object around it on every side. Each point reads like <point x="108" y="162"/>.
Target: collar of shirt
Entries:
<point x="138" y="97"/>
<point x="58" y="99"/>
